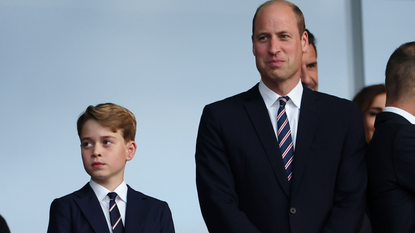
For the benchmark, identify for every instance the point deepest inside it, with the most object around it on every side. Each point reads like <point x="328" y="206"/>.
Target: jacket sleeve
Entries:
<point x="404" y="157"/>
<point x="59" y="217"/>
<point x="350" y="191"/>
<point x="215" y="182"/>
<point x="167" y="225"/>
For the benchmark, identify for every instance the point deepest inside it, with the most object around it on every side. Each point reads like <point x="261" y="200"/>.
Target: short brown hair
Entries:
<point x="297" y="13"/>
<point x="365" y="97"/>
<point x="400" y="73"/>
<point x="111" y="116"/>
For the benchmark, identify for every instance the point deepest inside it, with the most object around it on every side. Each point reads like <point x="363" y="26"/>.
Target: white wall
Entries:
<point x="163" y="60"/>
<point x="387" y="24"/>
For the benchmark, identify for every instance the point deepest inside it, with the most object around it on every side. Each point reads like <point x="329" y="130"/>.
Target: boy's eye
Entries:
<point x="106" y="142"/>
<point x="86" y="144"/>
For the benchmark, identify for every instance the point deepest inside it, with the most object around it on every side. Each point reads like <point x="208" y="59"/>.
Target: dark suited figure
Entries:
<point x="391" y="152"/>
<point x="242" y="180"/>
<point x="107" y="204"/>
<point x="3" y="226"/>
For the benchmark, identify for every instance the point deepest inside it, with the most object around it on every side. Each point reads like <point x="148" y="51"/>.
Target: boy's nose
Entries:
<point x="96" y="152"/>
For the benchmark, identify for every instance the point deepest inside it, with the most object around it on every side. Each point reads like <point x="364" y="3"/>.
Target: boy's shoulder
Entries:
<point x="135" y="195"/>
<point x="84" y="191"/>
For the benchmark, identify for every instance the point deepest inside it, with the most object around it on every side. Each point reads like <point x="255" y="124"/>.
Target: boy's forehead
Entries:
<point x="93" y="127"/>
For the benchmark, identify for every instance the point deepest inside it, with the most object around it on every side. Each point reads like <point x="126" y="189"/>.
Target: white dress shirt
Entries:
<point x="102" y="195"/>
<point x="401" y="112"/>
<point x="292" y="107"/>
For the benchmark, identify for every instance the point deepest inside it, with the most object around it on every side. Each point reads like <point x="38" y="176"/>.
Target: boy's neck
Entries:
<point x="110" y="185"/>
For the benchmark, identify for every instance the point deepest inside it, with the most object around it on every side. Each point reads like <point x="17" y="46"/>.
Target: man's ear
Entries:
<point x="131" y="149"/>
<point x="253" y="48"/>
<point x="304" y="42"/>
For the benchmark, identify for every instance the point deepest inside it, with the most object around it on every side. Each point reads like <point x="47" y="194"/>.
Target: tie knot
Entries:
<point x="283" y="100"/>
<point x="112" y="195"/>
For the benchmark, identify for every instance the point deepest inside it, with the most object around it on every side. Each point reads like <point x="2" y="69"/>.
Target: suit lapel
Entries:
<point x="91" y="208"/>
<point x="259" y="116"/>
<point x="309" y="115"/>
<point x="136" y="213"/>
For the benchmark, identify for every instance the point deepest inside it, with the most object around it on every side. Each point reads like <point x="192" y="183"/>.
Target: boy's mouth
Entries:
<point x="97" y="164"/>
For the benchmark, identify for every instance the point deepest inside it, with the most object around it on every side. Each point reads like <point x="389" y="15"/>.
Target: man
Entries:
<point x="391" y="152"/>
<point x="244" y="183"/>
<point x="309" y="71"/>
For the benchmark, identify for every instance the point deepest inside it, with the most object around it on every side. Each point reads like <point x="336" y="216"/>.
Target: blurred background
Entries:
<point x="163" y="60"/>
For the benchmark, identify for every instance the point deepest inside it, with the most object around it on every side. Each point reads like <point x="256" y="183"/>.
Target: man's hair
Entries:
<point x="365" y="97"/>
<point x="311" y="40"/>
<point x="400" y="73"/>
<point x="111" y="116"/>
<point x="297" y="13"/>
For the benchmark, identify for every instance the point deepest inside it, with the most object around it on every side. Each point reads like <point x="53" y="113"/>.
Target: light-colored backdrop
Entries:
<point x="163" y="60"/>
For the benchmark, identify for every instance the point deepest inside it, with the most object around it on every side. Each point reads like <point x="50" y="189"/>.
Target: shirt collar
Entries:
<point x="101" y="192"/>
<point x="270" y="97"/>
<point x="401" y="112"/>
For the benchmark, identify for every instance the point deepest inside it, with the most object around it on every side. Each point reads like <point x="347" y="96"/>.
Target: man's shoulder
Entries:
<point x="329" y="104"/>
<point x="236" y="99"/>
<point x="331" y="99"/>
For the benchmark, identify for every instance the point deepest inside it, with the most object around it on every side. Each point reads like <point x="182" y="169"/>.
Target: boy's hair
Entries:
<point x="111" y="116"/>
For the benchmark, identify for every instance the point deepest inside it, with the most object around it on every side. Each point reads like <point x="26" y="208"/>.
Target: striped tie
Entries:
<point x="284" y="137"/>
<point x="115" y="216"/>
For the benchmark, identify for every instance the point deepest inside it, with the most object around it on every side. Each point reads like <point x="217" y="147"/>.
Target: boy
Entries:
<point x="107" y="133"/>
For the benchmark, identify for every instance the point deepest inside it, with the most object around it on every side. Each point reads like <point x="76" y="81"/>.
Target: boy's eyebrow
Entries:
<point x="107" y="136"/>
<point x="102" y="137"/>
<point x="85" y="138"/>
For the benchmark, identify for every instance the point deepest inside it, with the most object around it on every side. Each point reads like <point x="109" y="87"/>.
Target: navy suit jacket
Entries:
<point x="81" y="212"/>
<point x="391" y="169"/>
<point x="241" y="181"/>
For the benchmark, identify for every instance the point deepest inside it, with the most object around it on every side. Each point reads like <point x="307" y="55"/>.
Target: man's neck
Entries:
<point x="282" y="88"/>
<point x="406" y="105"/>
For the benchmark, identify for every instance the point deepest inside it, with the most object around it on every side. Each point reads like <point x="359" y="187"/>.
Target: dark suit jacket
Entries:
<point x="241" y="181"/>
<point x="3" y="226"/>
<point x="80" y="212"/>
<point x="391" y="169"/>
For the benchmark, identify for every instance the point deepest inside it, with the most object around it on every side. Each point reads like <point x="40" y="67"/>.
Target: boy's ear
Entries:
<point x="131" y="148"/>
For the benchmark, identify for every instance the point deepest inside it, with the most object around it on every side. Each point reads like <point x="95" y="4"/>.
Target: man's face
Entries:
<point x="277" y="45"/>
<point x="309" y="72"/>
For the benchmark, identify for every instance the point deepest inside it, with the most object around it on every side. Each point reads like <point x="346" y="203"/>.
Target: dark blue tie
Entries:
<point x="285" y="141"/>
<point x="115" y="217"/>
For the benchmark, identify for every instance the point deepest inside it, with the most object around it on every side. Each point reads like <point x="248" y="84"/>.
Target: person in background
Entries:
<point x="391" y="152"/>
<point x="3" y="226"/>
<point x="371" y="101"/>
<point x="309" y="71"/>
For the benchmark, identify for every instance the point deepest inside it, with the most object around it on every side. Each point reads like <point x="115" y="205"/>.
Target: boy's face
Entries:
<point x="105" y="153"/>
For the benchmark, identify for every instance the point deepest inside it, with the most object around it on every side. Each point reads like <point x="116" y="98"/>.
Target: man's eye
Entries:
<point x="284" y="36"/>
<point x="262" y="38"/>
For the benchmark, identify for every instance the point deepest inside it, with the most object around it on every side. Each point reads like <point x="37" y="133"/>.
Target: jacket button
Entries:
<point x="293" y="210"/>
